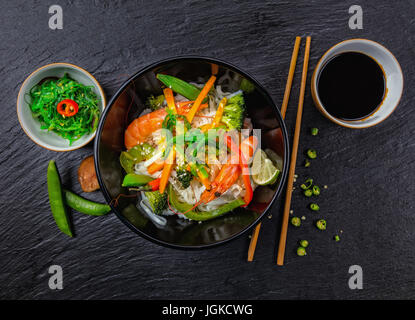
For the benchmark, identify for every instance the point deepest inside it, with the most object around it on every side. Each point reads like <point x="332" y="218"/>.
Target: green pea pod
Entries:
<point x="56" y="199"/>
<point x="85" y="206"/>
<point x="136" y="180"/>
<point x="202" y="215"/>
<point x="181" y="87"/>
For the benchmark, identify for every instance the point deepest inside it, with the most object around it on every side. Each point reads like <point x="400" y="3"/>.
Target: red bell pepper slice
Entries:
<point x="155" y="184"/>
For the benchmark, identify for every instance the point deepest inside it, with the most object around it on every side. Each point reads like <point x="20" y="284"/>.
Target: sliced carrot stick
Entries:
<point x="181" y="104"/>
<point x="205" y="127"/>
<point x="200" y="98"/>
<point x="168" y="166"/>
<point x="155" y="166"/>
<point x="168" y="94"/>
<point x="184" y="109"/>
<point x="205" y="181"/>
<point x="219" y="113"/>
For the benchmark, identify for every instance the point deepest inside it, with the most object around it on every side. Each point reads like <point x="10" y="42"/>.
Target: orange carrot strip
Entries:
<point x="200" y="98"/>
<point x="205" y="181"/>
<point x="184" y="108"/>
<point x="168" y="94"/>
<point x="219" y="113"/>
<point x="155" y="166"/>
<point x="165" y="175"/>
<point x="181" y="104"/>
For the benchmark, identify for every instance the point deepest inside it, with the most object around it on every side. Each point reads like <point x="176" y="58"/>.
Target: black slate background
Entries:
<point x="370" y="172"/>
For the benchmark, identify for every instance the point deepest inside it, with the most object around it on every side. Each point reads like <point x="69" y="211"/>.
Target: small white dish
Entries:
<point x="393" y="78"/>
<point x="31" y="126"/>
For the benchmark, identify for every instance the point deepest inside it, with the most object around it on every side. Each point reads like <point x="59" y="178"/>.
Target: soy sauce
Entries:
<point x="351" y="86"/>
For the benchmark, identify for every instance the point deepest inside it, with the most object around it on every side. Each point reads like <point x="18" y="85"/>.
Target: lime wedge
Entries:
<point x="263" y="170"/>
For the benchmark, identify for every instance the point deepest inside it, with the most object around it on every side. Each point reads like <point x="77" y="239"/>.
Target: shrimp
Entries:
<point x="142" y="127"/>
<point x="226" y="177"/>
<point x="230" y="172"/>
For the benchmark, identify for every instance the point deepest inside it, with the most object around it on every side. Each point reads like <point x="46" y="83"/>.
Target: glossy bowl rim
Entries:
<point x="101" y="125"/>
<point x="52" y="65"/>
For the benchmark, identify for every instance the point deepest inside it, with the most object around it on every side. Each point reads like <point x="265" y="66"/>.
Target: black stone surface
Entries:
<point x="370" y="173"/>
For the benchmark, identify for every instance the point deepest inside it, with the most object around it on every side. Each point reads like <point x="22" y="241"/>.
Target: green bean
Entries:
<point x="56" y="199"/>
<point x="84" y="205"/>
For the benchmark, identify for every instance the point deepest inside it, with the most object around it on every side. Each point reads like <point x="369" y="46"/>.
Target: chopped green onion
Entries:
<point x="301" y="251"/>
<point x="307" y="184"/>
<point x="314" y="206"/>
<point x="336" y="238"/>
<point x="321" y="224"/>
<point x="307" y="163"/>
<point x="304" y="243"/>
<point x="296" y="221"/>
<point x="316" y="190"/>
<point x="314" y="131"/>
<point x="308" y="193"/>
<point x="311" y="153"/>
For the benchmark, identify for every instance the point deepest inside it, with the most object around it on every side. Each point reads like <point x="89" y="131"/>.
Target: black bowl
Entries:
<point x="128" y="103"/>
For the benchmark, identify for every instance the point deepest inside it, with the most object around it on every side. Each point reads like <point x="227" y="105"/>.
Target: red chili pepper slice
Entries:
<point x="67" y="108"/>
<point x="155" y="184"/>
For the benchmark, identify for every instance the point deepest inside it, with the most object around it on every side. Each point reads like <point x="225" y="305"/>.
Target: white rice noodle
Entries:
<point x="190" y="195"/>
<point x="140" y="168"/>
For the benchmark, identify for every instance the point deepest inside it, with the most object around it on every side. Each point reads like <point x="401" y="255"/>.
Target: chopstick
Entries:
<point x="255" y="234"/>
<point x="283" y="236"/>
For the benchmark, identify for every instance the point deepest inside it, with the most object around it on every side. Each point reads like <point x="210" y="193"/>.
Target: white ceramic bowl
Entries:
<point x="393" y="76"/>
<point x="31" y="126"/>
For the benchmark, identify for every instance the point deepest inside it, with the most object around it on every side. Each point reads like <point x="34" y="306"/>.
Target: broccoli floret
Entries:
<point x="158" y="201"/>
<point x="155" y="103"/>
<point x="184" y="176"/>
<point x="234" y="112"/>
<point x="247" y="86"/>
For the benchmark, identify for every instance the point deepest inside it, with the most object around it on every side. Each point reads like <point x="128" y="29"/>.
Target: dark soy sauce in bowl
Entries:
<point x="351" y="86"/>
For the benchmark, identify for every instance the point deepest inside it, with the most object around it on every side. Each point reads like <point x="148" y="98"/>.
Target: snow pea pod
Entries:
<point x="84" y="205"/>
<point x="136" y="180"/>
<point x="181" y="87"/>
<point x="56" y="202"/>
